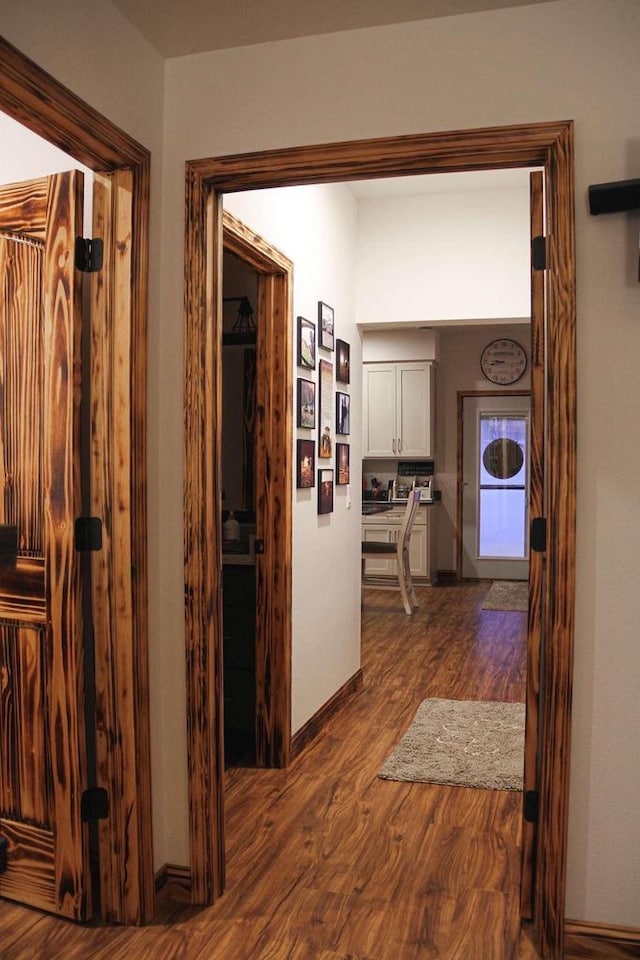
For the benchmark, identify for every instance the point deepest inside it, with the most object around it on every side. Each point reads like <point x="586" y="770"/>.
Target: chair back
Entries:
<point x="413" y="503"/>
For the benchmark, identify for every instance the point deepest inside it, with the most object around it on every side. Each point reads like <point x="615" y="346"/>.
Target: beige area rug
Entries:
<point x="507" y="595"/>
<point x="466" y="743"/>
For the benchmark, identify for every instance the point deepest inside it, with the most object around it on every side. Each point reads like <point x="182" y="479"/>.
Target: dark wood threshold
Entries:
<point x="446" y="576"/>
<point x="310" y="730"/>
<point x="173" y="873"/>
<point x="600" y="940"/>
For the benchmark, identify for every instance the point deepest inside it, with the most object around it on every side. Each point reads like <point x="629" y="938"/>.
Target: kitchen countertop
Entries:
<point x="370" y="508"/>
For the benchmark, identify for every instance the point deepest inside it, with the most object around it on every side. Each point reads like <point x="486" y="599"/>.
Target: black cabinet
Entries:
<point x="239" y="659"/>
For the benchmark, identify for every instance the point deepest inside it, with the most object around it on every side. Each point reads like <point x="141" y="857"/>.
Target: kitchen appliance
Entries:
<point x="419" y="473"/>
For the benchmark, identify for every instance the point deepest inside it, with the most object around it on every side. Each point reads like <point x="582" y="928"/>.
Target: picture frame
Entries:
<point x="326" y="410"/>
<point x="325" y="491"/>
<point x="306" y="464"/>
<point x="306" y="404"/>
<point x="342" y="464"/>
<point x="343" y="413"/>
<point x="306" y="343"/>
<point x="343" y="361"/>
<point x="326" y="325"/>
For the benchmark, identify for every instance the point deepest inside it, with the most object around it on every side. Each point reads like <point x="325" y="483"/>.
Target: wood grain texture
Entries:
<point x="558" y="629"/>
<point x="600" y="941"/>
<point x="122" y="727"/>
<point x="442" y="152"/>
<point x="36" y="99"/>
<point x="207" y="232"/>
<point x="62" y="504"/>
<point x="272" y="492"/>
<point x="536" y="559"/>
<point x="23" y="208"/>
<point x="273" y="477"/>
<point x="21" y="388"/>
<point x="327" y="860"/>
<point x="43" y="773"/>
<point x="202" y="539"/>
<point x="315" y="724"/>
<point x="549" y="145"/>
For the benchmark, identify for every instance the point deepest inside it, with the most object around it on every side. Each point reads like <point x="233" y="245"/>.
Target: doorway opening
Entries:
<point x="549" y="145"/>
<point x="495" y="437"/>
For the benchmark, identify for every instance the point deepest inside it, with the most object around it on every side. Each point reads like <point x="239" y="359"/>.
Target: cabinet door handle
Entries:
<point x="399" y="445"/>
<point x="393" y="445"/>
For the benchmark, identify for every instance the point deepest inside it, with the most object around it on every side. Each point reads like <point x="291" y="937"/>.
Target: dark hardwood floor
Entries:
<point x="328" y="862"/>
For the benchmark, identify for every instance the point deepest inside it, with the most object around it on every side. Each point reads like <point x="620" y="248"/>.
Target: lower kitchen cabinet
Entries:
<point x="385" y="528"/>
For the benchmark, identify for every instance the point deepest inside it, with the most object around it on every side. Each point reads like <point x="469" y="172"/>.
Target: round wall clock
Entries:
<point x="503" y="361"/>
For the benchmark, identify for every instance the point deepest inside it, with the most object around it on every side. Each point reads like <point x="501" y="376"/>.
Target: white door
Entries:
<point x="495" y="493"/>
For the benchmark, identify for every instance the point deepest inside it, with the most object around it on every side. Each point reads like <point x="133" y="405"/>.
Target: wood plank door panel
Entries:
<point x="43" y="767"/>
<point x="536" y="559"/>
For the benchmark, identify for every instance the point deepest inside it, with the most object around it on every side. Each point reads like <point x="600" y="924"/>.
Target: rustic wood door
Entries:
<point x="536" y="557"/>
<point x="44" y="859"/>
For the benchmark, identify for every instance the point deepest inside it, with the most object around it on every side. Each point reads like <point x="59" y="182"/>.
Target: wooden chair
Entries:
<point x="400" y="552"/>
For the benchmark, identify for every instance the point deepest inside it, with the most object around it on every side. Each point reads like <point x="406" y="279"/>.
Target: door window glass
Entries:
<point x="502" y="494"/>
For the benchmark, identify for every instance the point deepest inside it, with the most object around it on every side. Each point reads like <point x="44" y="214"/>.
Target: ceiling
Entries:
<point x="180" y="27"/>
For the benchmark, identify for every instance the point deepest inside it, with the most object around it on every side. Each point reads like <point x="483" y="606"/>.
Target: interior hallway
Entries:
<point x="326" y="861"/>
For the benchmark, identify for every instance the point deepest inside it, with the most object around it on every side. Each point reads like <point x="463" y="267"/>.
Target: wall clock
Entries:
<point x="503" y="361"/>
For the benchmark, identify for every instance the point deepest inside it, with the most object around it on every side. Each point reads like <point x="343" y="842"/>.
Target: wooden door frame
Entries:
<point x="549" y="145"/>
<point x="462" y="396"/>
<point x="35" y="99"/>
<point x="273" y="467"/>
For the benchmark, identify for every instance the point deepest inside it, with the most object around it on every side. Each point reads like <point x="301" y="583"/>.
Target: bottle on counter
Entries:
<point x="230" y="529"/>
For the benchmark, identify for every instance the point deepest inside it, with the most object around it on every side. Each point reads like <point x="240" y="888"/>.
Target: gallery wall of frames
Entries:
<point x="323" y="407"/>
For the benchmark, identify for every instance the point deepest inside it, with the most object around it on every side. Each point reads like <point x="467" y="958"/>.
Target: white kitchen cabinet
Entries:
<point x="385" y="528"/>
<point x="398" y="409"/>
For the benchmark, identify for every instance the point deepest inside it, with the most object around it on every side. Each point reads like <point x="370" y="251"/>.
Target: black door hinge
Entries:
<point x="539" y="253"/>
<point x="89" y="254"/>
<point x="3" y="854"/>
<point x="94" y="804"/>
<point x="531" y="801"/>
<point x="88" y="534"/>
<point x="538" y="535"/>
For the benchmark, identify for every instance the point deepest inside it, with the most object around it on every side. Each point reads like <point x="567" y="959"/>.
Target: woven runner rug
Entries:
<point x="466" y="743"/>
<point x="507" y="595"/>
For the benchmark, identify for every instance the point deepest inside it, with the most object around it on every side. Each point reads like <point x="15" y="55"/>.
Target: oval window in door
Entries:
<point x="503" y="458"/>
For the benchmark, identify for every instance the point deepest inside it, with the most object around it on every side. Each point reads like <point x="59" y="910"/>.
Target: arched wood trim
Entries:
<point x="37" y="100"/>
<point x="545" y="144"/>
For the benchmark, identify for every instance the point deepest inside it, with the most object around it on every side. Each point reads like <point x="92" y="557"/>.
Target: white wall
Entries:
<point x="316" y="228"/>
<point x="444" y="256"/>
<point x="569" y="59"/>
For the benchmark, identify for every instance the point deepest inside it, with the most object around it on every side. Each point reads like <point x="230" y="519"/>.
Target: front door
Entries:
<point x="495" y="487"/>
<point x="43" y="758"/>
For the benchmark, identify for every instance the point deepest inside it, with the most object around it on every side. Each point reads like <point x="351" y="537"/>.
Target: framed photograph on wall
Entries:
<point x="342" y="463"/>
<point x="343" y="413"/>
<point x="306" y="464"/>
<point x="343" y="361"/>
<point x="325" y="491"/>
<point x="325" y="323"/>
<point x="325" y="411"/>
<point x="306" y="344"/>
<point x="306" y="404"/>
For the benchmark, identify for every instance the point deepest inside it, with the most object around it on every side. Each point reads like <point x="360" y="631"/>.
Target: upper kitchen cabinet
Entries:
<point x="398" y="408"/>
